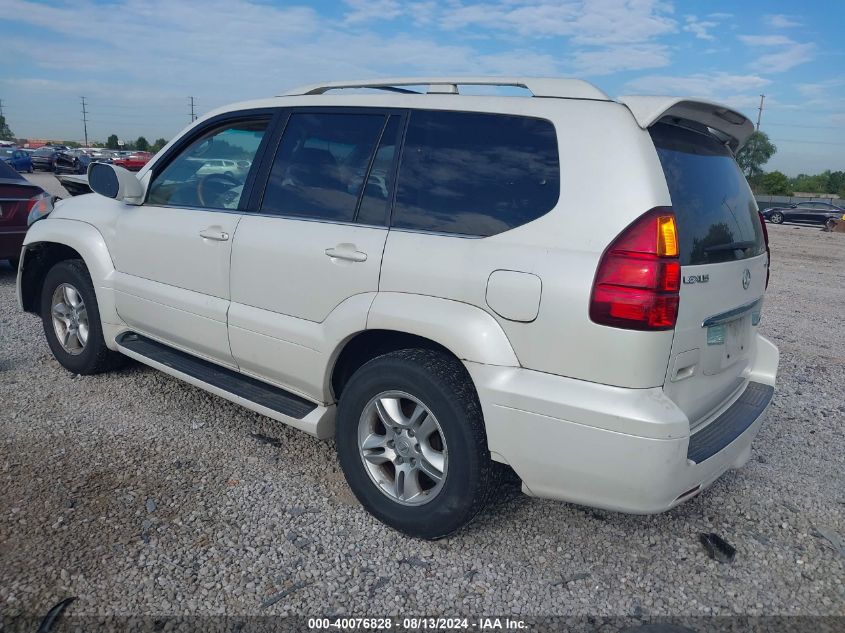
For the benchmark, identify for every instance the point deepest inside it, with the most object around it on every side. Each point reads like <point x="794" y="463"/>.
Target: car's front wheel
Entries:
<point x="71" y="320"/>
<point x="776" y="218"/>
<point x="411" y="442"/>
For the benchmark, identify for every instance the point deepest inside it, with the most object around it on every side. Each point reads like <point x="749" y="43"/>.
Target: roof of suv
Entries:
<point x="732" y="127"/>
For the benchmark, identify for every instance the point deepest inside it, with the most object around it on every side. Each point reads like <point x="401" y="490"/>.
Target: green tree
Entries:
<point x="160" y="142"/>
<point x="756" y="152"/>
<point x="142" y="145"/>
<point x="5" y="133"/>
<point x="111" y="142"/>
<point x="776" y="183"/>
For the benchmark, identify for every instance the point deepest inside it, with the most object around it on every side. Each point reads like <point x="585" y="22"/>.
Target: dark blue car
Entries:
<point x="17" y="158"/>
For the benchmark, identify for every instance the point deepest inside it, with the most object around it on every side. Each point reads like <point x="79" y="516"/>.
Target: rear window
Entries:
<point x="476" y="174"/>
<point x="715" y="210"/>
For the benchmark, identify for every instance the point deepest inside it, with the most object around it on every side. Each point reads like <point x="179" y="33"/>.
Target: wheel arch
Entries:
<point x="54" y="240"/>
<point x="401" y="321"/>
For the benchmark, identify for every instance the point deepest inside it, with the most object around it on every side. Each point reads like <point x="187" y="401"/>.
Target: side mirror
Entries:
<point x="115" y="182"/>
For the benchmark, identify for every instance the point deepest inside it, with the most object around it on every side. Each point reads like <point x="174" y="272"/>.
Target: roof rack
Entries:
<point x="537" y="86"/>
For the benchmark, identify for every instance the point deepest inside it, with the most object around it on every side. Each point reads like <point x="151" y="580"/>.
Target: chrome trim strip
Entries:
<point x="730" y="315"/>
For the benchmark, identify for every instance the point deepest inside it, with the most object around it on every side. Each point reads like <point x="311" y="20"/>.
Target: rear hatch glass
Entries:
<point x="723" y="270"/>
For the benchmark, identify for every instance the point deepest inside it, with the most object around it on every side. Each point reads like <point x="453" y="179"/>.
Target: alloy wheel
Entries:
<point x="70" y="318"/>
<point x="403" y="448"/>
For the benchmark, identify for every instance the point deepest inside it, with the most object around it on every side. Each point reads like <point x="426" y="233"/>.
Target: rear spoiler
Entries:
<point x="730" y="124"/>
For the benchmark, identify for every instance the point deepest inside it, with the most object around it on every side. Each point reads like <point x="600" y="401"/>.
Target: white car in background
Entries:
<point x="567" y="284"/>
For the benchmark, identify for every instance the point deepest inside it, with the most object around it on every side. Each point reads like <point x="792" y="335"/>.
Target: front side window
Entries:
<point x="319" y="169"/>
<point x="476" y="174"/>
<point x="199" y="177"/>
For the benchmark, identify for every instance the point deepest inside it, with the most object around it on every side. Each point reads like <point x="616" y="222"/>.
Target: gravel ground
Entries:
<point x="142" y="495"/>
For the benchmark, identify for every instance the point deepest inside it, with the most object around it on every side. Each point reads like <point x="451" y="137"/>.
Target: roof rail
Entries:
<point x="538" y="86"/>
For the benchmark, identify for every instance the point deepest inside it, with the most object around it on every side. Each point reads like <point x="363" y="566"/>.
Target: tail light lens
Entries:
<point x="637" y="285"/>
<point x="39" y="207"/>
<point x="768" y="252"/>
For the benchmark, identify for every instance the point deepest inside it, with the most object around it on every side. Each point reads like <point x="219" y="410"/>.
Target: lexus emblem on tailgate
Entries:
<point x="746" y="279"/>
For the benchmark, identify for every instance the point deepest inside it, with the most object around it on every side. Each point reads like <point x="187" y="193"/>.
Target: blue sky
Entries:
<point x="138" y="61"/>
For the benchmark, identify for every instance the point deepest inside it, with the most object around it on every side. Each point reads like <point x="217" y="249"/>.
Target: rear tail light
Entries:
<point x="637" y="285"/>
<point x="768" y="252"/>
<point x="39" y="207"/>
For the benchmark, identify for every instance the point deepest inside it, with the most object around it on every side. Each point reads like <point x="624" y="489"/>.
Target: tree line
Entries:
<point x="759" y="149"/>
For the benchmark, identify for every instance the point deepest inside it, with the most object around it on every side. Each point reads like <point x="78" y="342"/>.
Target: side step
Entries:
<point x="253" y="394"/>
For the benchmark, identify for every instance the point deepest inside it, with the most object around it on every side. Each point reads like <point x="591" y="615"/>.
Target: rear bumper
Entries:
<point x="620" y="449"/>
<point x="11" y="241"/>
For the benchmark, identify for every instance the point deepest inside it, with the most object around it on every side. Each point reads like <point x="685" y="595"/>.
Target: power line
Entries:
<point x="813" y="127"/>
<point x="85" y="120"/>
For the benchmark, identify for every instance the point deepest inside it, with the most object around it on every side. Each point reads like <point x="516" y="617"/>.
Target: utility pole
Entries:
<point x="760" y="111"/>
<point x="193" y="116"/>
<point x="1" y="107"/>
<point x="85" y="120"/>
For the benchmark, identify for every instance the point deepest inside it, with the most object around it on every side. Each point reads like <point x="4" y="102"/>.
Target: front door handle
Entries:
<point x="347" y="252"/>
<point x="212" y="233"/>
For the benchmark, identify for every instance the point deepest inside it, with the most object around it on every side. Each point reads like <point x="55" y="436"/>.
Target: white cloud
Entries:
<point x="623" y="58"/>
<point x="700" y="28"/>
<point x="780" y="21"/>
<point x="369" y="10"/>
<point x="787" y="52"/>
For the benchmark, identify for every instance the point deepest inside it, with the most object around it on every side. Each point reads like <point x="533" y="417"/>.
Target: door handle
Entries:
<point x="214" y="234"/>
<point x="347" y="252"/>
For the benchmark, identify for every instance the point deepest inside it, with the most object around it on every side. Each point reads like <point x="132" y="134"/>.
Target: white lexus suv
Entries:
<point x="561" y="282"/>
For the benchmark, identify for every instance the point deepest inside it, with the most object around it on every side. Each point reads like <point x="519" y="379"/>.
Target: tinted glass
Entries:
<point x="197" y="178"/>
<point x="7" y="152"/>
<point x="318" y="170"/>
<point x="716" y="212"/>
<point x="376" y="199"/>
<point x="476" y="174"/>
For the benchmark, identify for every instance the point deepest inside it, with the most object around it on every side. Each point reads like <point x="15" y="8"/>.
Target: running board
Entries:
<point x="253" y="394"/>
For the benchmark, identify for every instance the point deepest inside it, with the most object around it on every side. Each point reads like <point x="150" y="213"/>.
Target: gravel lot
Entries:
<point x="142" y="495"/>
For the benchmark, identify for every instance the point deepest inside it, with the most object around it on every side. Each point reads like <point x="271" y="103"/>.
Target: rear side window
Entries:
<point x="476" y="174"/>
<point x="319" y="168"/>
<point x="715" y="210"/>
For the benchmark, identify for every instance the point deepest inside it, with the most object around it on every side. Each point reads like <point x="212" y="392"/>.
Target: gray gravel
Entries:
<point x="142" y="495"/>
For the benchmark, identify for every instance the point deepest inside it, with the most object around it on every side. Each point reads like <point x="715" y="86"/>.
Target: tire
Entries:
<point x="441" y="384"/>
<point x="776" y="218"/>
<point x="830" y="224"/>
<point x="13" y="262"/>
<point x="91" y="356"/>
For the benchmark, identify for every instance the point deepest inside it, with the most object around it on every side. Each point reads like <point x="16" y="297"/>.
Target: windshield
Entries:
<point x="6" y="152"/>
<point x="715" y="209"/>
<point x="44" y="151"/>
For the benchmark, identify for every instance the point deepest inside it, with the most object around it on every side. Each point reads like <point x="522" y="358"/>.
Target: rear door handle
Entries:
<point x="212" y="233"/>
<point x="347" y="252"/>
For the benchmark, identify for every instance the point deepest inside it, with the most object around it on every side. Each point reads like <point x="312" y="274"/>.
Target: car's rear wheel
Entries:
<point x="830" y="223"/>
<point x="776" y="218"/>
<point x="411" y="442"/>
<point x="71" y="320"/>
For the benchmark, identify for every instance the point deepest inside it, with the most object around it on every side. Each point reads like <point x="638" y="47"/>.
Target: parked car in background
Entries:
<point x="17" y="158"/>
<point x="18" y="197"/>
<point x="72" y="162"/>
<point x="45" y="158"/>
<point x="805" y="213"/>
<point x="134" y="161"/>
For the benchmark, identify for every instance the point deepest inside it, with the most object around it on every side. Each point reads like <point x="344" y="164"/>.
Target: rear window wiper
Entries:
<point x="731" y="246"/>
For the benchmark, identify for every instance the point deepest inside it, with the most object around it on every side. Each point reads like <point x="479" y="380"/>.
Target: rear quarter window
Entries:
<point x="714" y="207"/>
<point x="474" y="173"/>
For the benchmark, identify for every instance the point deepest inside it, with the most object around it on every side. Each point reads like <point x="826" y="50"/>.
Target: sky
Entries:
<point x="138" y="62"/>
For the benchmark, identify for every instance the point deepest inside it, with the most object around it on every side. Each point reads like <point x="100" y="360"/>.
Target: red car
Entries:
<point x="18" y="199"/>
<point x="133" y="162"/>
